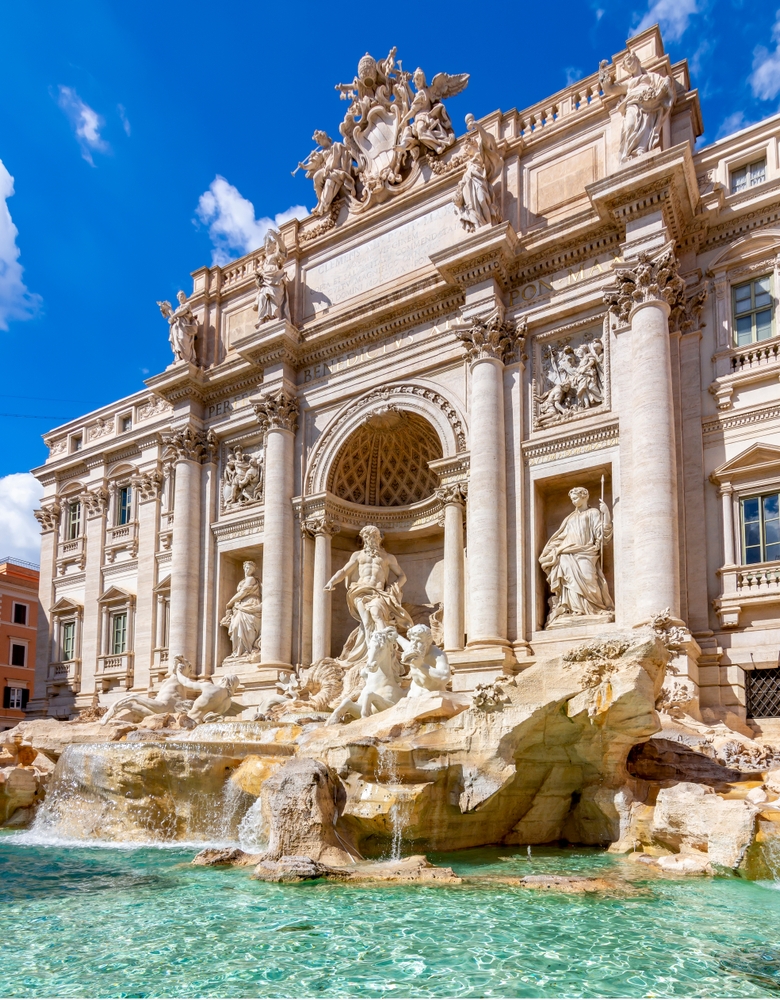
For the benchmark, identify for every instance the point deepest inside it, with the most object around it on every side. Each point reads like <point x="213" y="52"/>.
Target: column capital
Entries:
<point x="650" y="278"/>
<point x="277" y="411"/>
<point x="454" y="493"/>
<point x="94" y="501"/>
<point x="189" y="444"/>
<point x="49" y="516"/>
<point x="494" y="338"/>
<point x="148" y="485"/>
<point x="320" y="524"/>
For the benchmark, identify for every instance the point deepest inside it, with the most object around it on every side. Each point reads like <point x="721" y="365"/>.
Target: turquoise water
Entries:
<point x="97" y="922"/>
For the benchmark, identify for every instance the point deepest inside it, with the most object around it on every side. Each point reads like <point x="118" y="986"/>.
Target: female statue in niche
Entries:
<point x="243" y="615"/>
<point x="573" y="561"/>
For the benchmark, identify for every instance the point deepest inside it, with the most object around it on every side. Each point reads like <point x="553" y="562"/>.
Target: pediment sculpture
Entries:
<point x="393" y="118"/>
<point x="646" y="106"/>
<point x="182" y="329"/>
<point x="572" y="380"/>
<point x="242" y="480"/>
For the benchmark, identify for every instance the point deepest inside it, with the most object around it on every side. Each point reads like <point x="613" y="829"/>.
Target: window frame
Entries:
<point x="11" y="699"/>
<point x="753" y="312"/>
<point x="25" y="608"/>
<point x="17" y="644"/>
<point x="65" y="625"/>
<point x="117" y="616"/>
<point x="73" y="523"/>
<point x="748" y="168"/>
<point x="124" y="505"/>
<point x="762" y="527"/>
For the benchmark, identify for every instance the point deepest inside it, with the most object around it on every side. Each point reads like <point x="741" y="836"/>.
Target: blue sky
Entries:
<point x="145" y="140"/>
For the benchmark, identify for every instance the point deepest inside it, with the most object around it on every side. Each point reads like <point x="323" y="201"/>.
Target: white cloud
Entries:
<point x="573" y="74"/>
<point x="732" y="123"/>
<point x="765" y="78"/>
<point x="123" y="116"/>
<point x="233" y="228"/>
<point x="20" y="533"/>
<point x="672" y="15"/>
<point x="15" y="301"/>
<point x="86" y="123"/>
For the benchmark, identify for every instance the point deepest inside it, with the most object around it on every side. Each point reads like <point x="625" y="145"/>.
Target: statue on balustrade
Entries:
<point x="372" y="599"/>
<point x="271" y="300"/>
<point x="646" y="106"/>
<point x="330" y="167"/>
<point x="573" y="560"/>
<point x="474" y="199"/>
<point x="182" y="328"/>
<point x="243" y="616"/>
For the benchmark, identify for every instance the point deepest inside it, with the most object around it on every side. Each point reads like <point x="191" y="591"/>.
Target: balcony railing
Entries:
<point x="756" y="355"/>
<point x="121" y="537"/>
<point x="66" y="673"/>
<point x="115" y="669"/>
<point x="746" y="586"/>
<point x="74" y="550"/>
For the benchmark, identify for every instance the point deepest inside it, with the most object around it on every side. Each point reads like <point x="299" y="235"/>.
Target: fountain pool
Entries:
<point x="142" y="922"/>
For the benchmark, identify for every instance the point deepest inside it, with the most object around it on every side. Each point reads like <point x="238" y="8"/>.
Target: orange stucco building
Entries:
<point x="18" y="630"/>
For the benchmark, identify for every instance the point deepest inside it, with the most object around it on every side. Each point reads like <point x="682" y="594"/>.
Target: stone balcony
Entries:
<point x="743" y="587"/>
<point x="115" y="670"/>
<point x="71" y="552"/>
<point x="744" y="366"/>
<point x="66" y="674"/>
<point x="121" y="538"/>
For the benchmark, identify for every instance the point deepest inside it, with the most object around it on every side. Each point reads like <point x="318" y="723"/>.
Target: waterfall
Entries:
<point x="155" y="794"/>
<point x="252" y="830"/>
<point x="387" y="768"/>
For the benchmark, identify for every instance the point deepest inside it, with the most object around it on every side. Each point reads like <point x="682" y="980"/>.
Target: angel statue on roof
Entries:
<point x="427" y="120"/>
<point x="182" y="329"/>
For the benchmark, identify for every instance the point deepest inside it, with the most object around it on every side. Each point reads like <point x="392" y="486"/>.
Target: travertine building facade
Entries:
<point x="461" y="333"/>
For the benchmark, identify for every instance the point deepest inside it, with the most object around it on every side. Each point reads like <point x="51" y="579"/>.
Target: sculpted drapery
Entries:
<point x="243" y="614"/>
<point x="572" y="560"/>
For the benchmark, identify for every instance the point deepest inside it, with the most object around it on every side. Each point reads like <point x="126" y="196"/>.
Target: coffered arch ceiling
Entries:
<point x="384" y="462"/>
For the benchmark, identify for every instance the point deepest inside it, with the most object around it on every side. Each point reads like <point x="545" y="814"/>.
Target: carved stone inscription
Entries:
<point x="380" y="260"/>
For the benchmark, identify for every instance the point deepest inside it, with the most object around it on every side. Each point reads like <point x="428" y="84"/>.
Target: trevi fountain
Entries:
<point x="416" y="631"/>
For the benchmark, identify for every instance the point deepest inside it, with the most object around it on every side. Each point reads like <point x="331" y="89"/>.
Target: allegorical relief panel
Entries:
<point x="570" y="378"/>
<point x="242" y="477"/>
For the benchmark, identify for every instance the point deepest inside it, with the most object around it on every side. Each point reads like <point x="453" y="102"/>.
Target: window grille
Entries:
<point x="762" y="688"/>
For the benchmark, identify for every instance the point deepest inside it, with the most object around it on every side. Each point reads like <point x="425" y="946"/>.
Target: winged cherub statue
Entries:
<point x="182" y="328"/>
<point x="427" y="119"/>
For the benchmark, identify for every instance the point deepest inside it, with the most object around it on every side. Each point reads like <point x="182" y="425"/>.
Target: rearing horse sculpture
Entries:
<point x="381" y="672"/>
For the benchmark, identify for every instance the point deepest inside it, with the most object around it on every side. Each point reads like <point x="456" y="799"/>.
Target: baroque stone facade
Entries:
<point x="564" y="305"/>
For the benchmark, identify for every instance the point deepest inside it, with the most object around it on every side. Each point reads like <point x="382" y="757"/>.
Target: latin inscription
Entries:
<point x="543" y="287"/>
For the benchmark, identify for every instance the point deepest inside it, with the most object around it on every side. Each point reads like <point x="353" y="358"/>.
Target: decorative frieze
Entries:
<point x="100" y="429"/>
<point x="550" y="450"/>
<point x="492" y="338"/>
<point x="153" y="407"/>
<point x="278" y="411"/>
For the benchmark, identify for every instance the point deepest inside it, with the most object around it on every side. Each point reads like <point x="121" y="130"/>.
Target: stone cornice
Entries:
<point x="238" y="527"/>
<point x="489" y="252"/>
<point x="538" y="452"/>
<point x="740" y="418"/>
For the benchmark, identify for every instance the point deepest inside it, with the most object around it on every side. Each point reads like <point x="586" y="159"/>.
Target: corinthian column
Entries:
<point x="278" y="414"/>
<point x="454" y="499"/>
<point x="323" y="529"/>
<point x="647" y="291"/>
<point x="487" y="344"/>
<point x="187" y="448"/>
